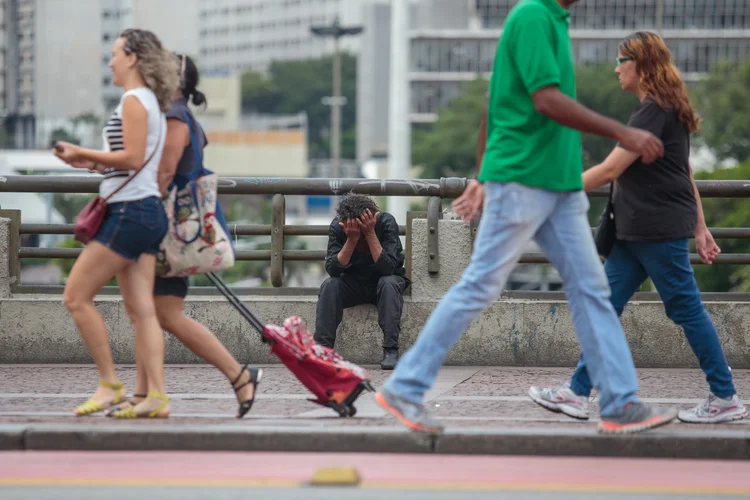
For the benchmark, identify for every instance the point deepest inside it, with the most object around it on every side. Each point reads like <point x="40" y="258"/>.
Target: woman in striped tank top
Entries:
<point x="126" y="244"/>
<point x="179" y="159"/>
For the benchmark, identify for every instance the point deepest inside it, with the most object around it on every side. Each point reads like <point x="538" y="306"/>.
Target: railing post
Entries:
<point x="10" y="242"/>
<point x="434" y="213"/>
<point x="278" y="220"/>
<point x="410" y="216"/>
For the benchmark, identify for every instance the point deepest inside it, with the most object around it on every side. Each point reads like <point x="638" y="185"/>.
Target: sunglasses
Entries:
<point x="621" y="60"/>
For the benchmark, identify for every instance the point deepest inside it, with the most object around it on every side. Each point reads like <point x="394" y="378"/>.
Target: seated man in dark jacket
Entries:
<point x="365" y="263"/>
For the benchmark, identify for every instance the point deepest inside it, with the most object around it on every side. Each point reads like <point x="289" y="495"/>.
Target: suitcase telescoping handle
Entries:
<point x="237" y="303"/>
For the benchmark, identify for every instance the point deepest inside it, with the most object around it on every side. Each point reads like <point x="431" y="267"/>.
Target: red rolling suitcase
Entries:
<point x="335" y="382"/>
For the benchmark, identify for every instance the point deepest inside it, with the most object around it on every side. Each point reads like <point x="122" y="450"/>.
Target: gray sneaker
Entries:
<point x="636" y="417"/>
<point x="412" y="415"/>
<point x="715" y="410"/>
<point x="561" y="399"/>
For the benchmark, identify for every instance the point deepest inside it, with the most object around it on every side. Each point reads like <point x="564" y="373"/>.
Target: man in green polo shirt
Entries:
<point x="531" y="188"/>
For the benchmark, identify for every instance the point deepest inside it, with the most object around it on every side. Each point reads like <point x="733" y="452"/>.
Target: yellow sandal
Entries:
<point x="160" y="411"/>
<point x="122" y="406"/>
<point x="92" y="406"/>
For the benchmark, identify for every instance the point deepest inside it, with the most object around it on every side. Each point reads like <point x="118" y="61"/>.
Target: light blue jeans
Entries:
<point x="514" y="215"/>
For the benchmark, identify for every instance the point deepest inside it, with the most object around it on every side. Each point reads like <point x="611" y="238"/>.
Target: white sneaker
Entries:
<point x="561" y="399"/>
<point x="715" y="410"/>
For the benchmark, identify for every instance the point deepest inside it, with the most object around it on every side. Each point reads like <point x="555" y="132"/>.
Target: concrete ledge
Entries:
<point x="724" y="445"/>
<point x="223" y="438"/>
<point x="509" y="333"/>
<point x="12" y="437"/>
<point x="540" y="442"/>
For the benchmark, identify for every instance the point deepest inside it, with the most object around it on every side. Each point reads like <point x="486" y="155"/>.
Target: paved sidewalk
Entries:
<point x="485" y="410"/>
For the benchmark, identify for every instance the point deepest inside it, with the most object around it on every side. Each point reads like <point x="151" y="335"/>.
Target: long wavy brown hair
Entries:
<point x="659" y="76"/>
<point x="156" y="64"/>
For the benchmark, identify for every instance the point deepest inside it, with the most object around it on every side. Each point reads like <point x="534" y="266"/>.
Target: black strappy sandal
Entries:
<point x="255" y="375"/>
<point x="119" y="407"/>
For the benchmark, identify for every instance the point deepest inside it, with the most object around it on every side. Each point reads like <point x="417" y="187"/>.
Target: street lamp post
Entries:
<point x="336" y="31"/>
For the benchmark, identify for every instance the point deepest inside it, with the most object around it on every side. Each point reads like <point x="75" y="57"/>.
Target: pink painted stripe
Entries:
<point x="374" y="468"/>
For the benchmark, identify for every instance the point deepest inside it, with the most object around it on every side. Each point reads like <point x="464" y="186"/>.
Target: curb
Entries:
<point x="725" y="445"/>
<point x="719" y="445"/>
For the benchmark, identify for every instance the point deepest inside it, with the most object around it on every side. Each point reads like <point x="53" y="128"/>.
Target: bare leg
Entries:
<point x="95" y="266"/>
<point x="201" y="340"/>
<point x="137" y="287"/>
<point x="141" y="381"/>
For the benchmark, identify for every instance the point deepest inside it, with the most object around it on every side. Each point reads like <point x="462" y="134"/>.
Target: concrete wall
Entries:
<point x="508" y="333"/>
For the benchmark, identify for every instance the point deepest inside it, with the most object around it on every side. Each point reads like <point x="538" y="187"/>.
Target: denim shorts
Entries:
<point x="176" y="287"/>
<point x="132" y="228"/>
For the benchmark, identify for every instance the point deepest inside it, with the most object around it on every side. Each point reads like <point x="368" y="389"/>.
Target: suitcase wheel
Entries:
<point x="346" y="411"/>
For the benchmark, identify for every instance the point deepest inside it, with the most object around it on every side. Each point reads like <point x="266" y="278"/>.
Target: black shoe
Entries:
<point x="390" y="358"/>
<point x="255" y="374"/>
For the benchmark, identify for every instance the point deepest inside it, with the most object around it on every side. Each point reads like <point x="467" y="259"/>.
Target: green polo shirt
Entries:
<point x="522" y="145"/>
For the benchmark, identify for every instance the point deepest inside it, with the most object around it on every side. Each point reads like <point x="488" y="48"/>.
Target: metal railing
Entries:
<point x="433" y="189"/>
<point x="436" y="190"/>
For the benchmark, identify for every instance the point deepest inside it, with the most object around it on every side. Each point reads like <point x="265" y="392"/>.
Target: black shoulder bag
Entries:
<point x="605" y="230"/>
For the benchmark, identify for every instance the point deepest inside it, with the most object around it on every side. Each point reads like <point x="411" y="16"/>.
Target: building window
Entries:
<point x="429" y="97"/>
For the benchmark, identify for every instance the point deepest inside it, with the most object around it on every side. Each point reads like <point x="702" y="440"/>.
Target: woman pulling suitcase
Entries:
<point x="179" y="160"/>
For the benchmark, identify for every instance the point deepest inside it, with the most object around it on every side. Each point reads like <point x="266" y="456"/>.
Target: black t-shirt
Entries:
<point x="656" y="202"/>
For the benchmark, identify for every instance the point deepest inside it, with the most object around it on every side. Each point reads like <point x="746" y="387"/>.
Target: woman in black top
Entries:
<point x="657" y="209"/>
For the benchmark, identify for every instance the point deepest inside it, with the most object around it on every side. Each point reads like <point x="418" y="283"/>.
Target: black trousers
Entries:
<point x="337" y="294"/>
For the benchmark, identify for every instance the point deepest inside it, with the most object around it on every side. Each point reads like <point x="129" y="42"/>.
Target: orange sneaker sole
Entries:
<point x="400" y="416"/>
<point x="651" y="423"/>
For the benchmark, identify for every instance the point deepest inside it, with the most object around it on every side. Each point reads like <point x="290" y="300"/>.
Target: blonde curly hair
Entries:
<point x="156" y="65"/>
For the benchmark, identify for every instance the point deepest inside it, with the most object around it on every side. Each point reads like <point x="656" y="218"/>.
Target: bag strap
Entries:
<point x="195" y="145"/>
<point x="156" y="147"/>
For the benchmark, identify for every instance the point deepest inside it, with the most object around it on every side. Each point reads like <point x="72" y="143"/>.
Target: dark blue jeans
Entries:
<point x="667" y="263"/>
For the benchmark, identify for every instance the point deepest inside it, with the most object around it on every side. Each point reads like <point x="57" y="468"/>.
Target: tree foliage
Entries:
<point x="295" y="86"/>
<point x="723" y="101"/>
<point x="449" y="146"/>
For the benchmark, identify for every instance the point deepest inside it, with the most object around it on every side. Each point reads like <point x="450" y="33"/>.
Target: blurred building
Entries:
<point x="67" y="81"/>
<point x="236" y="35"/>
<point x="700" y="33"/>
<point x="17" y="71"/>
<point x="245" y="145"/>
<point x="54" y="57"/>
<point x="174" y="22"/>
